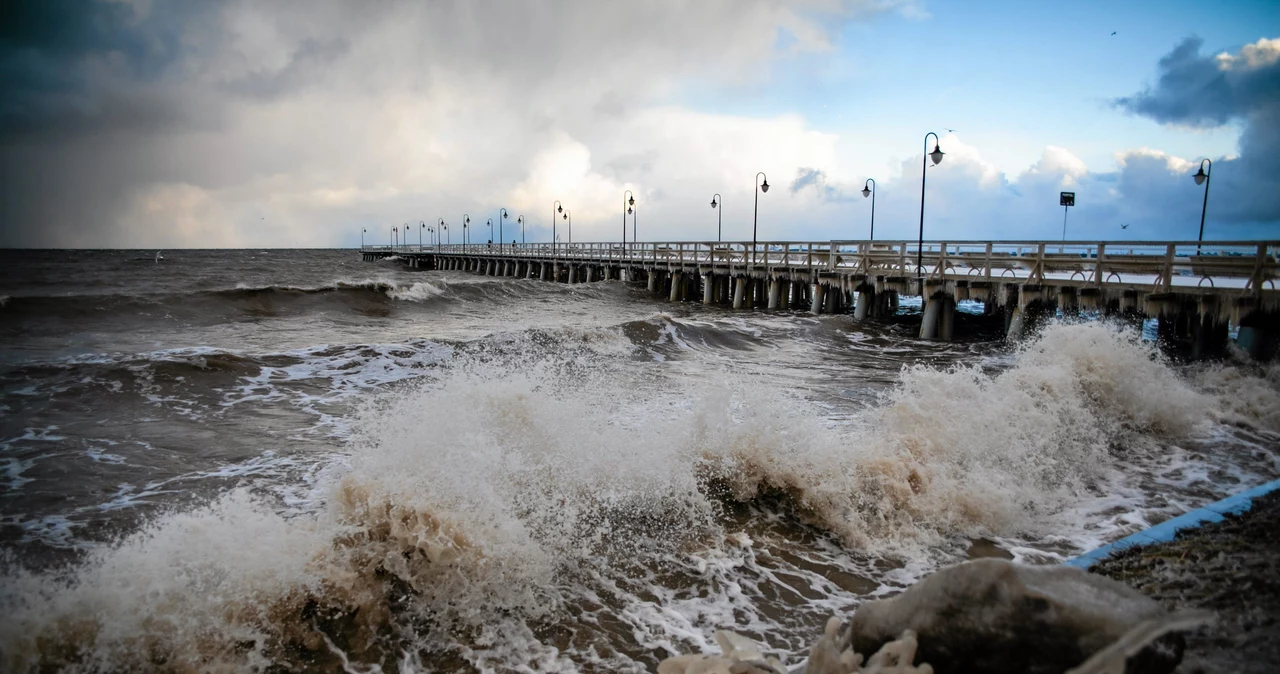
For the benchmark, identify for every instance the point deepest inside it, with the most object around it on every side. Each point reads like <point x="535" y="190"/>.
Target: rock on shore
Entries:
<point x="986" y="616"/>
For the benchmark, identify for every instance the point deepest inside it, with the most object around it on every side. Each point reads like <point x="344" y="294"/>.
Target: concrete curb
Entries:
<point x="1165" y="531"/>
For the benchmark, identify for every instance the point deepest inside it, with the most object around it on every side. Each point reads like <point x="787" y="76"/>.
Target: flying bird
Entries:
<point x="1113" y="32"/>
<point x="1124" y="226"/>
<point x="951" y="130"/>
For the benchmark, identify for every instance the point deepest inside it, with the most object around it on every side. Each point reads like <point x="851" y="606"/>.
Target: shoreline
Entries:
<point x="1225" y="559"/>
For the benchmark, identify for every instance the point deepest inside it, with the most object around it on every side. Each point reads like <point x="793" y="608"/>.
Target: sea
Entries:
<point x="294" y="460"/>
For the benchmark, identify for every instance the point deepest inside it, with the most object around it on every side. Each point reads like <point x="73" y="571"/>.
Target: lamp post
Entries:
<point x="569" y="218"/>
<point x="936" y="156"/>
<point x="756" y="217"/>
<point x="466" y="222"/>
<point x="869" y="190"/>
<point x="421" y="226"/>
<point x="440" y="222"/>
<point x="719" y="215"/>
<point x="628" y="199"/>
<point x="635" y="213"/>
<point x="1202" y="178"/>
<point x="521" y="221"/>
<point x="362" y="231"/>
<point x="393" y="237"/>
<point x="489" y="223"/>
<point x="502" y="215"/>
<point x="555" y="208"/>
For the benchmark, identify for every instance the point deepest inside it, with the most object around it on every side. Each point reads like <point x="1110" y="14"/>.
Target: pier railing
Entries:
<point x="1164" y="265"/>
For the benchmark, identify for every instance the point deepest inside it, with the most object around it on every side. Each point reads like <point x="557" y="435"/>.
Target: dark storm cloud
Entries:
<point x="1204" y="90"/>
<point x="1207" y="90"/>
<point x="69" y="67"/>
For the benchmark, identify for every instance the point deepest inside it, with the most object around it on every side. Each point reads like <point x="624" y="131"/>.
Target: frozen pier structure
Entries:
<point x="1198" y="291"/>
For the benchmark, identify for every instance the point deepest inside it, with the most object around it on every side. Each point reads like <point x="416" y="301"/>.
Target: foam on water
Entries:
<point x="556" y="512"/>
<point x="416" y="292"/>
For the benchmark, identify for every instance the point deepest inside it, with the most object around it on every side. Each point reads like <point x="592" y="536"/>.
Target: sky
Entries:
<point x="321" y="123"/>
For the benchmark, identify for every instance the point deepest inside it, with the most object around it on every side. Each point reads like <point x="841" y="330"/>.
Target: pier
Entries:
<point x="1199" y="292"/>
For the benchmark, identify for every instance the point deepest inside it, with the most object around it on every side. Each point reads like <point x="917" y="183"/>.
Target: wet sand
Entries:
<point x="1230" y="567"/>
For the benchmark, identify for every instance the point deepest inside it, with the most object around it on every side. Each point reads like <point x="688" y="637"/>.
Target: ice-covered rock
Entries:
<point x="993" y="616"/>
<point x="739" y="655"/>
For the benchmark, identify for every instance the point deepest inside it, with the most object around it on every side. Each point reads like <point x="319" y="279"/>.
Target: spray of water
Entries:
<point x="478" y="513"/>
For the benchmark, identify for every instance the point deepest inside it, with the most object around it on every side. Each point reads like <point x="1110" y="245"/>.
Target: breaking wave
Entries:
<point x="476" y="518"/>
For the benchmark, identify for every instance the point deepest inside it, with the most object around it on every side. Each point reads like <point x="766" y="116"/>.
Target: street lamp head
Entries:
<point x="559" y="209"/>
<point x="866" y="191"/>
<point x="1200" y="175"/>
<point x="632" y="201"/>
<point x="628" y="210"/>
<point x="565" y="216"/>
<point x="765" y="187"/>
<point x="936" y="155"/>
<point x="713" y="202"/>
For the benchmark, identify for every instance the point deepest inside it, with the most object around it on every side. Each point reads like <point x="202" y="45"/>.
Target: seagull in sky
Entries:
<point x="1113" y="32"/>
<point x="1124" y="226"/>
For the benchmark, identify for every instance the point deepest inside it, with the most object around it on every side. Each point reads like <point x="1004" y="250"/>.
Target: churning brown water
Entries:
<point x="247" y="460"/>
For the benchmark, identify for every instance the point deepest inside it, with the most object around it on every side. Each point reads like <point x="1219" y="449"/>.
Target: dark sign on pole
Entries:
<point x="1065" y="199"/>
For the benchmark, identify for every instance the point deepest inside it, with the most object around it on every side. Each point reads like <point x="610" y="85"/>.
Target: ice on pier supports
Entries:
<point x="939" y="312"/>
<point x="832" y="299"/>
<point x="739" y="292"/>
<point x="1027" y="310"/>
<point x="819" y="295"/>
<point x="708" y="288"/>
<point x="1259" y="328"/>
<point x="866" y="295"/>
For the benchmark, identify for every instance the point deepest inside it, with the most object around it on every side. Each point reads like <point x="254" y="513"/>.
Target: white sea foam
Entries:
<point x="417" y="292"/>
<point x="477" y="509"/>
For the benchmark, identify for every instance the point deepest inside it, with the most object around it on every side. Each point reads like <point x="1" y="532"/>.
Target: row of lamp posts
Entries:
<point x="629" y="208"/>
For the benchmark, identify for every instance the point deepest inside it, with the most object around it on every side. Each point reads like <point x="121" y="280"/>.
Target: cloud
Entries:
<point x="812" y="179"/>
<point x="241" y="123"/>
<point x="333" y="113"/>
<point x="1201" y="90"/>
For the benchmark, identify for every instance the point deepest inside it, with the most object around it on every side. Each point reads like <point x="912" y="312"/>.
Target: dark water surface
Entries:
<point x="288" y="459"/>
